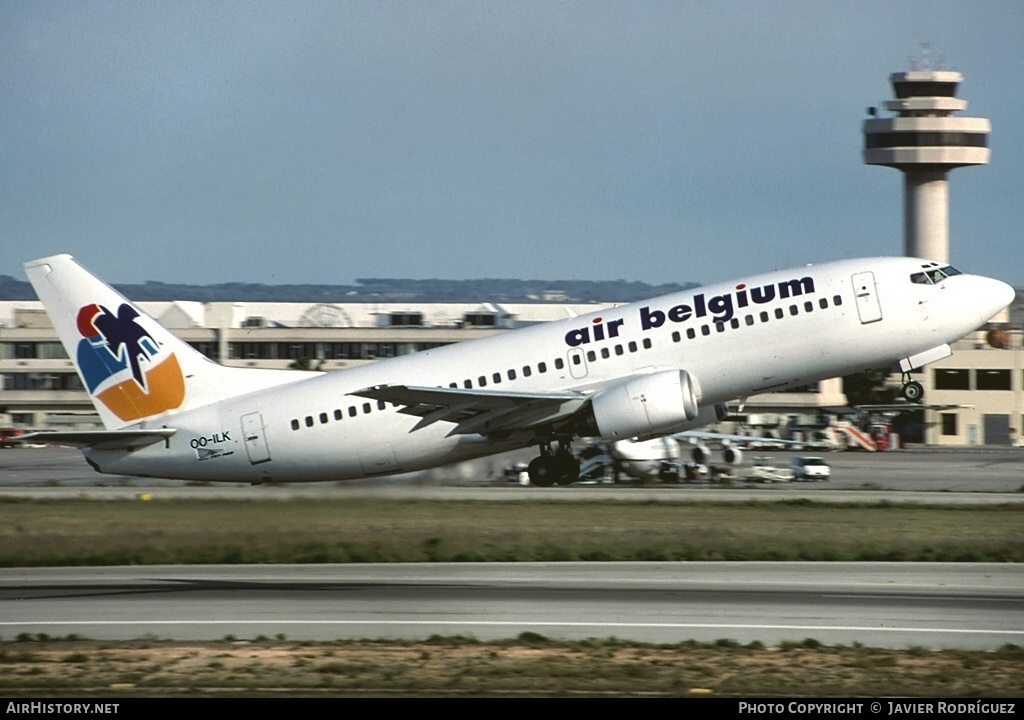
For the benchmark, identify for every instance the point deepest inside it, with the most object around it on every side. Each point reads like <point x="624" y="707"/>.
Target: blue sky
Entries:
<point x="285" y="142"/>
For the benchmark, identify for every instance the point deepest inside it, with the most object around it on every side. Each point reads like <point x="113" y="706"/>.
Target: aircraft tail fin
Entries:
<point x="132" y="367"/>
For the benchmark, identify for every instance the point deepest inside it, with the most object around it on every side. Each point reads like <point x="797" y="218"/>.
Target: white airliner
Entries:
<point x="636" y="371"/>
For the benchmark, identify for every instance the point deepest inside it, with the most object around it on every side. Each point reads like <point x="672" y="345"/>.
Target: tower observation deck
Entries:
<point x="925" y="141"/>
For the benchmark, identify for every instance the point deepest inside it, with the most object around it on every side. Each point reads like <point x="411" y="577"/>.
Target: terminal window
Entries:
<point x="952" y="379"/>
<point x="949" y="424"/>
<point x="993" y="379"/>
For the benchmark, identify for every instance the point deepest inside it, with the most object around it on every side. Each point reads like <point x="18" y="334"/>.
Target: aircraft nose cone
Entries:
<point x="997" y="295"/>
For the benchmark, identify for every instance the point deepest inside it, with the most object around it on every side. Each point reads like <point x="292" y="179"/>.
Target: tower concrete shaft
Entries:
<point x="925" y="142"/>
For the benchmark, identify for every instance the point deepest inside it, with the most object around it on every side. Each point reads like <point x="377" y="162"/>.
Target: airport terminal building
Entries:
<point x="983" y="381"/>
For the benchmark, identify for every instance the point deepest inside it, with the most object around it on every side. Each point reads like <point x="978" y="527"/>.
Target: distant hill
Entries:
<point x="386" y="290"/>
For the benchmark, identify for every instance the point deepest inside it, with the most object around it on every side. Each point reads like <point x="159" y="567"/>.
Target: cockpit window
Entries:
<point x="934" y="276"/>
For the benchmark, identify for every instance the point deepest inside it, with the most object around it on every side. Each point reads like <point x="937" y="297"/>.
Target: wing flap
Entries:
<point x="477" y="411"/>
<point x="100" y="439"/>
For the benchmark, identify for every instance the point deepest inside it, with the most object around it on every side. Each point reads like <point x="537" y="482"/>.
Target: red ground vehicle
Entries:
<point x="7" y="436"/>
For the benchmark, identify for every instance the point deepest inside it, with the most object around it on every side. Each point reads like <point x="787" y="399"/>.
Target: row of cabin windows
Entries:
<point x="764" y="316"/>
<point x="559" y="363"/>
<point x="324" y="418"/>
<point x="592" y="355"/>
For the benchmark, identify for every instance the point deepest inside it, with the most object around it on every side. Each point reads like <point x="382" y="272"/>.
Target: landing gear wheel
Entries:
<point x="913" y="391"/>
<point x="543" y="471"/>
<point x="567" y="467"/>
<point x="547" y="469"/>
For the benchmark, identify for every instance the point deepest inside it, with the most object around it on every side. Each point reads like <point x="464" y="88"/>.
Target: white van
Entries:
<point x="805" y="467"/>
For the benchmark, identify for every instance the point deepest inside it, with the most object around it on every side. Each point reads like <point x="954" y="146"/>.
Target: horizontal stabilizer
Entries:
<point x="100" y="439"/>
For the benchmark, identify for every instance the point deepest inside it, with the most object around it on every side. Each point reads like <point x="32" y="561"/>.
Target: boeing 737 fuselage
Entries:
<point x="635" y="371"/>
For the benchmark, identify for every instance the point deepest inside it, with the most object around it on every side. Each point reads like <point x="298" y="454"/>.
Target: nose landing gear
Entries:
<point x="912" y="390"/>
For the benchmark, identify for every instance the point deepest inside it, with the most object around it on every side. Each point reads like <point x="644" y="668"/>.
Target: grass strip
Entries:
<point x="195" y="531"/>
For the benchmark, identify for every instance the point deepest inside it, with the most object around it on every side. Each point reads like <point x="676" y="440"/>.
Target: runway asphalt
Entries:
<point x="950" y="605"/>
<point x="956" y="470"/>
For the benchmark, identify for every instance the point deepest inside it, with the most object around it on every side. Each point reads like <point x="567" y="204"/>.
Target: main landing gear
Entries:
<point x="558" y="468"/>
<point x="912" y="390"/>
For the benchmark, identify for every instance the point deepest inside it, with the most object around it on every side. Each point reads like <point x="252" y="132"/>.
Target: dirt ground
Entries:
<point x="528" y="666"/>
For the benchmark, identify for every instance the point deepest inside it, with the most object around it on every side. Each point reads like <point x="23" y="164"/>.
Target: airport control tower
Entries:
<point x="925" y="141"/>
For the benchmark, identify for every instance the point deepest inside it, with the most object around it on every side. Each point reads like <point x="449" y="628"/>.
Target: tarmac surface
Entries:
<point x="973" y="470"/>
<point x="896" y="605"/>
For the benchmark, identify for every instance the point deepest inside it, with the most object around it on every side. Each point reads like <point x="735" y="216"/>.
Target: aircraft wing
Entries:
<point x="102" y="439"/>
<point x="910" y="407"/>
<point x="698" y="435"/>
<point x="478" y="411"/>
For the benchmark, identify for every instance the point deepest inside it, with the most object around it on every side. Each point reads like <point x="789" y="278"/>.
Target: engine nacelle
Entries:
<point x="732" y="455"/>
<point x="646" y="406"/>
<point x="701" y="454"/>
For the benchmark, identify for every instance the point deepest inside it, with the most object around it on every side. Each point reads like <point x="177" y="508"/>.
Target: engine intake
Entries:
<point x="646" y="406"/>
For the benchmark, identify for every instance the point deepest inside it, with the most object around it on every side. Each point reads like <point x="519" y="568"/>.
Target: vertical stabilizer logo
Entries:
<point x="123" y="365"/>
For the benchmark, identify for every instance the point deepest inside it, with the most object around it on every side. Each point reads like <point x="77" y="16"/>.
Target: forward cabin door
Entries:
<point x="867" y="297"/>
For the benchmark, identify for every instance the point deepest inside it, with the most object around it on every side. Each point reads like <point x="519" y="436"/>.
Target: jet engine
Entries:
<point x="701" y="454"/>
<point x="732" y="455"/>
<point x="644" y="406"/>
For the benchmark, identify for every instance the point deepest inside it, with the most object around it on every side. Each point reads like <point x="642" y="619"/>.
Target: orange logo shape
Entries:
<point x="129" y="401"/>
